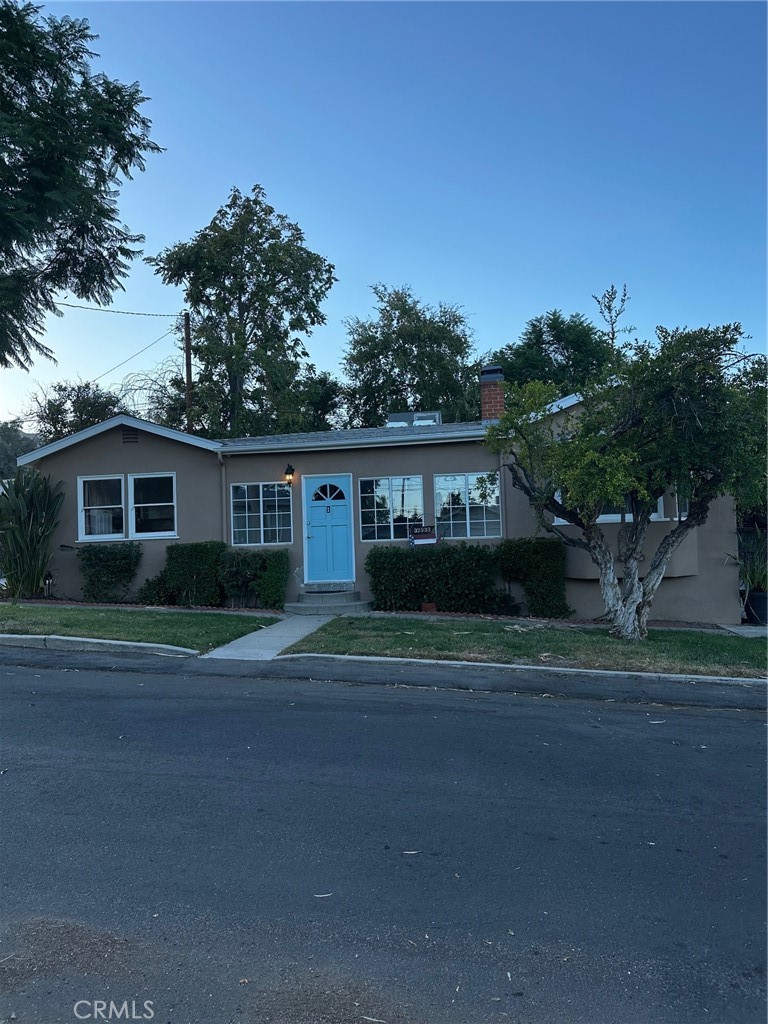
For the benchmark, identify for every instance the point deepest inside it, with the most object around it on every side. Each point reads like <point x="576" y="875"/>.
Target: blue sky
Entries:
<point x="508" y="157"/>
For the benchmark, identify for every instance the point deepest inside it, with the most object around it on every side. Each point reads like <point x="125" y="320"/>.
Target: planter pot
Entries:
<point x="757" y="607"/>
<point x="428" y="606"/>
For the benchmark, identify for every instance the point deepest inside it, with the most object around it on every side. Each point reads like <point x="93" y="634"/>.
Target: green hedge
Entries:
<point x="539" y="564"/>
<point x="192" y="572"/>
<point x="262" y="574"/>
<point x="207" y="572"/>
<point x="456" y="577"/>
<point x="156" y="590"/>
<point x="108" y="570"/>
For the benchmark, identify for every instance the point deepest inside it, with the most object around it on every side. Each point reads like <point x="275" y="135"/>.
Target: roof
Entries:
<point x="361" y="437"/>
<point x="357" y="437"/>
<point x="122" y="420"/>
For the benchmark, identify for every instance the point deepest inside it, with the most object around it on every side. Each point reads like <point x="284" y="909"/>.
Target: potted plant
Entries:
<point x="753" y="571"/>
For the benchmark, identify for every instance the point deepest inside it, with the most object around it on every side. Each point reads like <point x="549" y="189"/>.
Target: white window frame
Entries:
<point x="398" y="476"/>
<point x="612" y="517"/>
<point x="466" y="475"/>
<point x="260" y="484"/>
<point x="82" y="537"/>
<point x="133" y="534"/>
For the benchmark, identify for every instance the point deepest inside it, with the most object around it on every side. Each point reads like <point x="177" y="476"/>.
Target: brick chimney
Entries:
<point x="491" y="393"/>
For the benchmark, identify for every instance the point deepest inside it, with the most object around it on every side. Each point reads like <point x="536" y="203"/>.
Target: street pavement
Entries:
<point x="242" y="849"/>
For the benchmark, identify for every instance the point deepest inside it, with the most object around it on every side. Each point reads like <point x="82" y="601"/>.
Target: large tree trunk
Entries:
<point x="628" y="605"/>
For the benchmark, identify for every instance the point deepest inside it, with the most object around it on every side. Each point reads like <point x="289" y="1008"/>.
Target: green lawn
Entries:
<point x="200" y="631"/>
<point x="671" y="651"/>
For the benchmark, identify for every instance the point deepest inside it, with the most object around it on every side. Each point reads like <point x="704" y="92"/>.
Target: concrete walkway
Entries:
<point x="748" y="630"/>
<point x="265" y="644"/>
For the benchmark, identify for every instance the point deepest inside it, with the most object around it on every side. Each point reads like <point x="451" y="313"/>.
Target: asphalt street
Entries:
<point x="282" y="851"/>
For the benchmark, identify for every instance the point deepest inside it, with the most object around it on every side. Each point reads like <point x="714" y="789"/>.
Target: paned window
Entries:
<point x="152" y="505"/>
<point x="100" y="511"/>
<point x="467" y="505"/>
<point x="261" y="514"/>
<point x="389" y="506"/>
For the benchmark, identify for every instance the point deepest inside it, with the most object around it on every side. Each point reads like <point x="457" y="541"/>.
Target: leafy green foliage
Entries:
<point x="70" y="406"/>
<point x="753" y="560"/>
<point x="13" y="443"/>
<point x="67" y="136"/>
<point x="455" y="577"/>
<point x="29" y="515"/>
<point x="261" y="575"/>
<point x="271" y="586"/>
<point x="156" y="591"/>
<point x="538" y="563"/>
<point x="568" y="352"/>
<point x="676" y="415"/>
<point x="410" y="357"/>
<point x="254" y="290"/>
<point x="192" y="572"/>
<point x="108" y="570"/>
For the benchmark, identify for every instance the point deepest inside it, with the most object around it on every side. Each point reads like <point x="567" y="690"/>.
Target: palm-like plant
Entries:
<point x="29" y="514"/>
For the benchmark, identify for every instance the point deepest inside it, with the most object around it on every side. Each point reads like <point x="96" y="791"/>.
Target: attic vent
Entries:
<point x="130" y="435"/>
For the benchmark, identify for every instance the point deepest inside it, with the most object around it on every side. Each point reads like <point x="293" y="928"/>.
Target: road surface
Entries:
<point x="289" y="852"/>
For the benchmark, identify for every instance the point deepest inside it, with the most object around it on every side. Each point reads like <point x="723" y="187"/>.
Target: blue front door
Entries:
<point x="328" y="525"/>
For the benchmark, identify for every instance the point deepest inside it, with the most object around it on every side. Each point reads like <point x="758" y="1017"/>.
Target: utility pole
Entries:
<point x="188" y="365"/>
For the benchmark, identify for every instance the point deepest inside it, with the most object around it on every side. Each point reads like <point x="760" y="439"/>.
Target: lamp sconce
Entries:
<point x="289" y="474"/>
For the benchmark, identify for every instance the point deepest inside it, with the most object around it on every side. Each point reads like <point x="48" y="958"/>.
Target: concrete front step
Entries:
<point x="329" y="597"/>
<point x="330" y="608"/>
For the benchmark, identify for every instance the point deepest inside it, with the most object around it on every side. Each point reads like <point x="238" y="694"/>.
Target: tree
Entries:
<point x="254" y="289"/>
<point x="674" y="417"/>
<point x="13" y="443"/>
<point x="29" y="515"/>
<point x="410" y="357"/>
<point x="67" y="136"/>
<point x="569" y="352"/>
<point x="70" y="406"/>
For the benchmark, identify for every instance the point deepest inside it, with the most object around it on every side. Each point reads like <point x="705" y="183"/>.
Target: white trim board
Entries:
<point x="122" y="420"/>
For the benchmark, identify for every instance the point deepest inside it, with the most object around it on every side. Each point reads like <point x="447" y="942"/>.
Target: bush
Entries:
<point x="156" y="590"/>
<point x="239" y="572"/>
<point x="539" y="564"/>
<point x="29" y="515"/>
<point x="263" y="574"/>
<point x="192" y="572"/>
<point x="455" y="577"/>
<point x="108" y="570"/>
<point x="271" y="586"/>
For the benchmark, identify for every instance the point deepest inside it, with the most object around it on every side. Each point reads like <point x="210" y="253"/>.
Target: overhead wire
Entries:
<point x="122" y="312"/>
<point x="117" y="367"/>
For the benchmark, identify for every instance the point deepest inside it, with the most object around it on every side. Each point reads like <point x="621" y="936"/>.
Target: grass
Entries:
<point x="672" y="651"/>
<point x="201" y="631"/>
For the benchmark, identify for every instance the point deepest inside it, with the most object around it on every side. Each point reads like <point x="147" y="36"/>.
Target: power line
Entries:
<point x="122" y="312"/>
<point x="133" y="356"/>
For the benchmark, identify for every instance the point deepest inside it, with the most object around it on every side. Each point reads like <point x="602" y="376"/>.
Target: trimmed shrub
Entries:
<point x="456" y="577"/>
<point x="263" y="574"/>
<point x="156" y="590"/>
<point x="271" y="586"/>
<point x="108" y="570"/>
<point x="192" y="572"/>
<point x="239" y="572"/>
<point x="539" y="564"/>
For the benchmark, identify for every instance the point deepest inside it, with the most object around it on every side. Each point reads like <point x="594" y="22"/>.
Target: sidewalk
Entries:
<point x="266" y="644"/>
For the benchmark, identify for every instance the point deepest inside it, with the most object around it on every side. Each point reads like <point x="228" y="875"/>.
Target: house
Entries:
<point x="328" y="496"/>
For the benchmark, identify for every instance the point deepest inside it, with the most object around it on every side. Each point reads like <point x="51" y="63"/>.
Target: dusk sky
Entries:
<point x="508" y="157"/>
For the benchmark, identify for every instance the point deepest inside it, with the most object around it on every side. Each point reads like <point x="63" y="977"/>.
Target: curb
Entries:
<point x="81" y="643"/>
<point x="656" y="677"/>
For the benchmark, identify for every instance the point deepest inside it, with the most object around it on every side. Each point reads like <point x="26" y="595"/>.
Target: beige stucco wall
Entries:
<point x="702" y="583"/>
<point x="425" y="460"/>
<point x="198" y="487"/>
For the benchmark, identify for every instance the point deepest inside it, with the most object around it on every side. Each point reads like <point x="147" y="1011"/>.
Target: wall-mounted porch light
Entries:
<point x="289" y="474"/>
